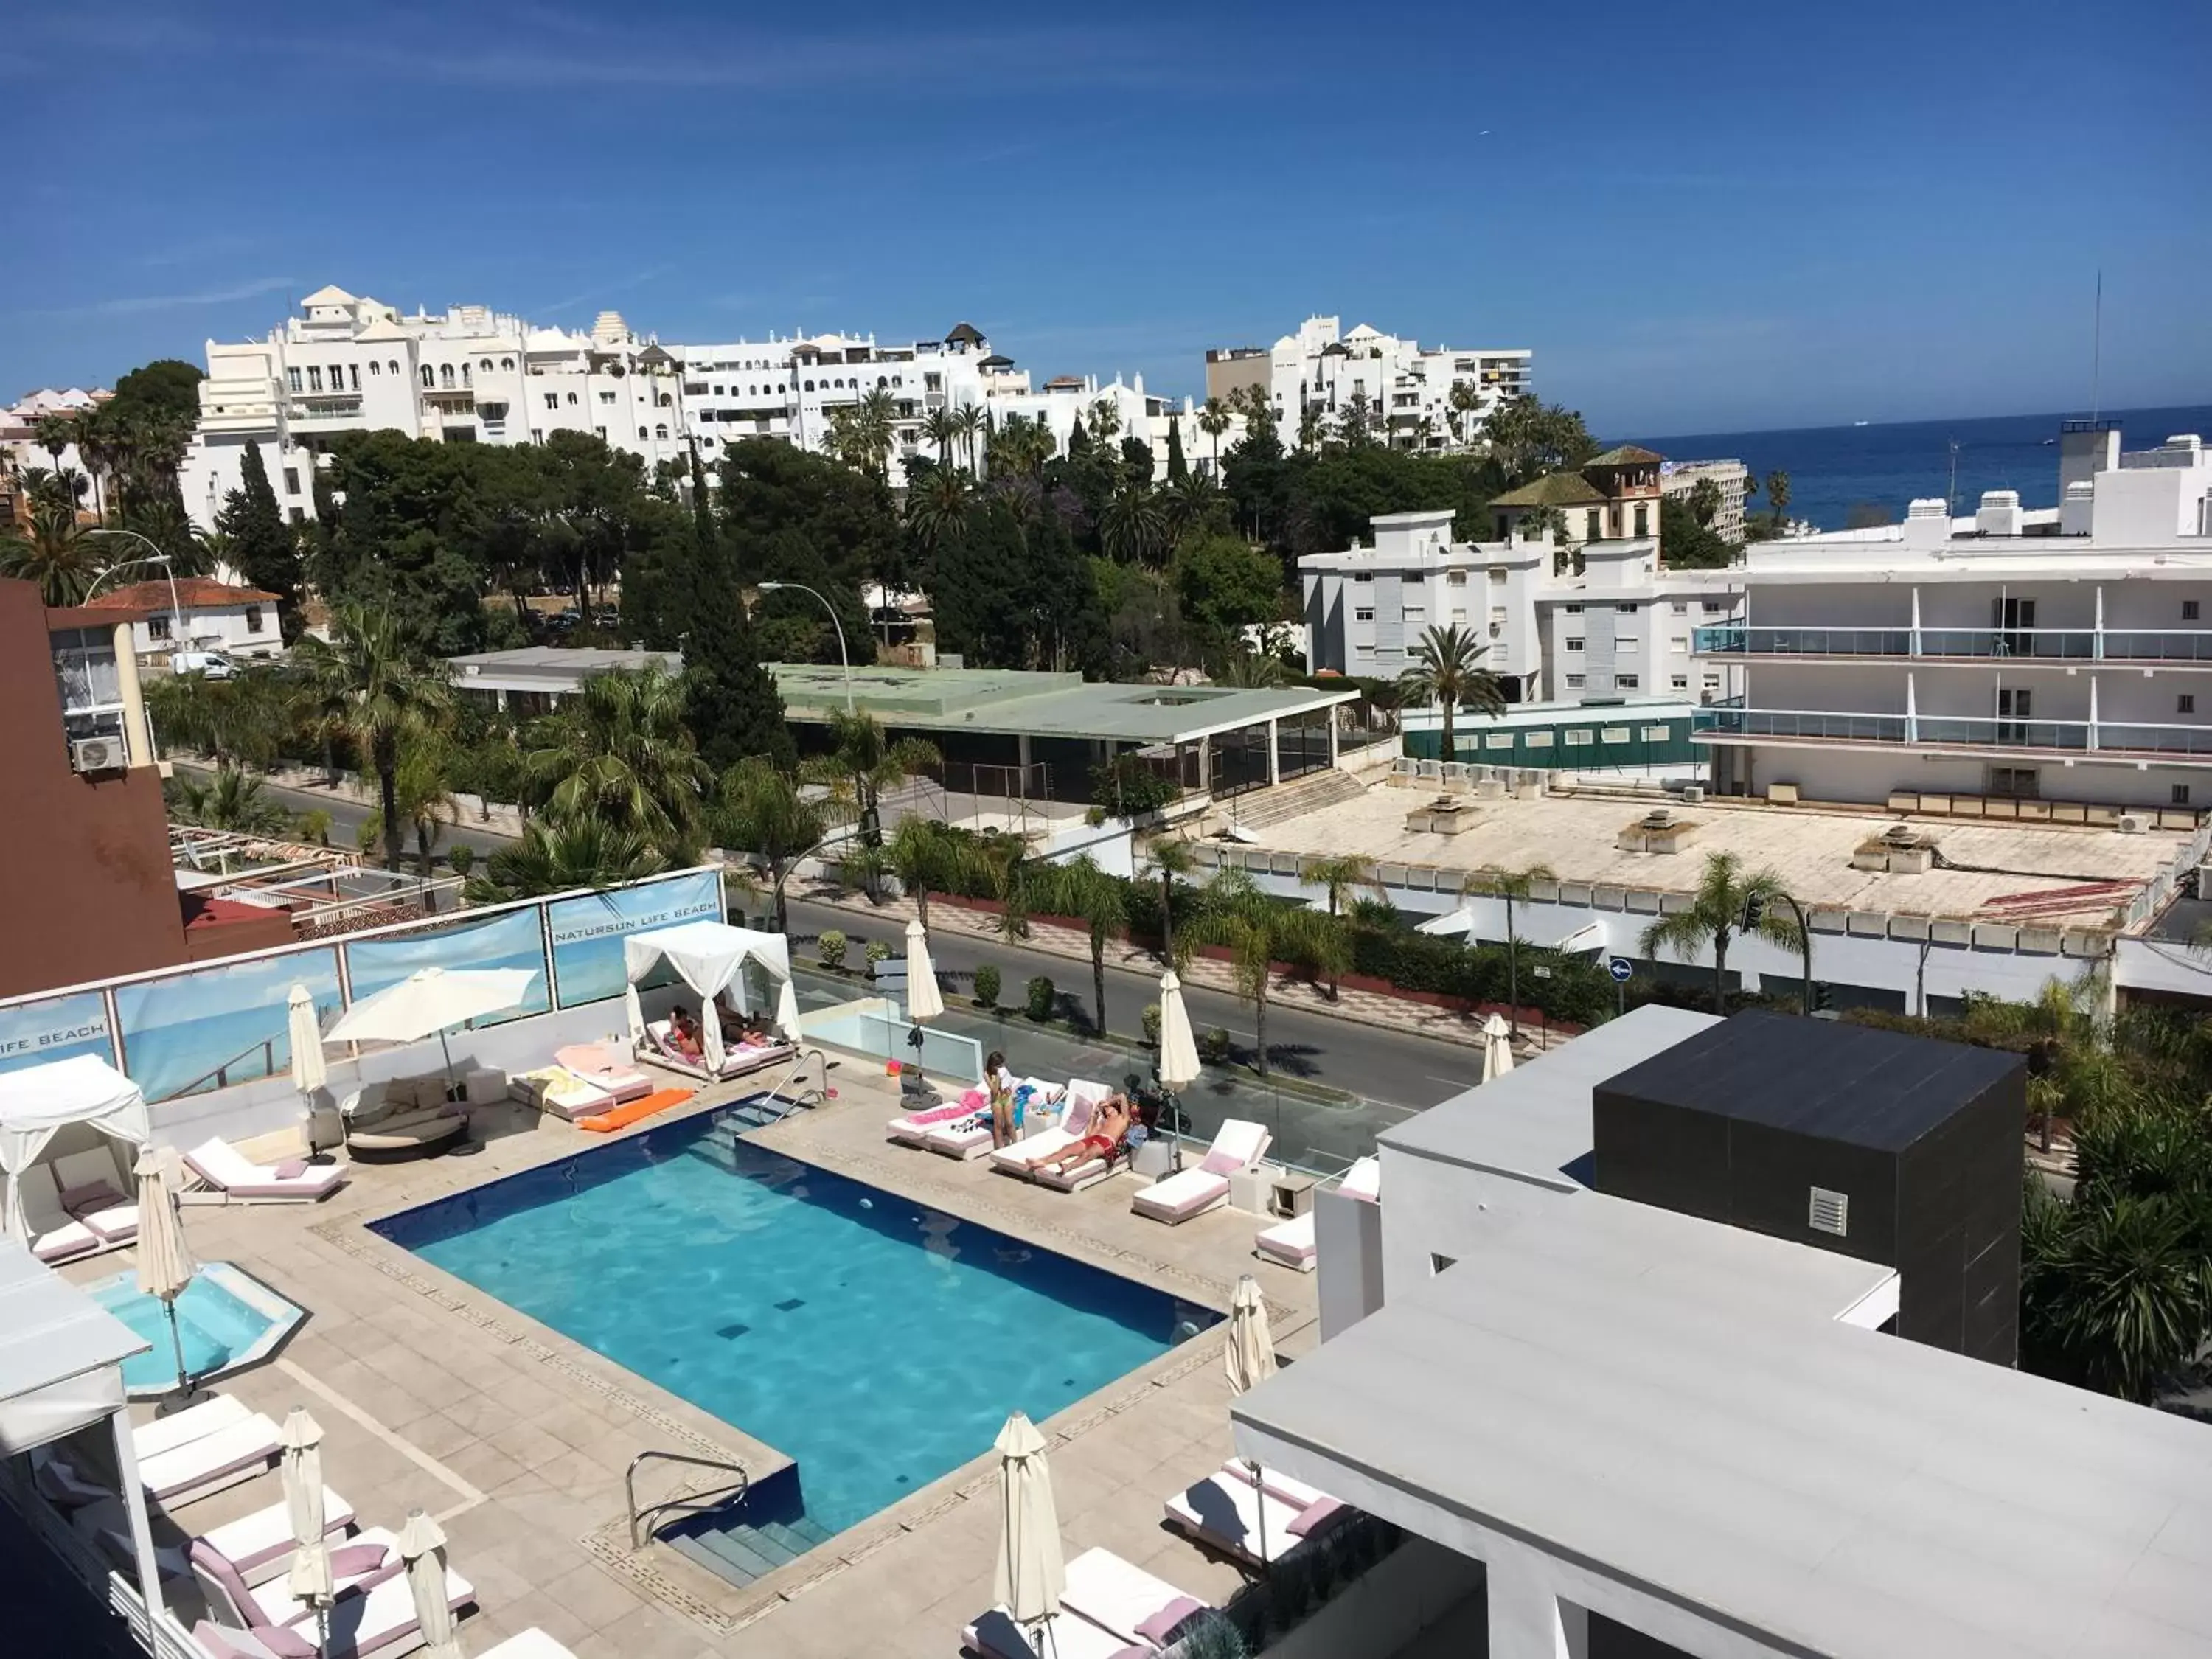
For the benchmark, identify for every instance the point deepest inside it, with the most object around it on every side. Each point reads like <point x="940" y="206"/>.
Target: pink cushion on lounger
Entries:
<point x="1220" y="1162"/>
<point x="1157" y="1628"/>
<point x="1314" y="1519"/>
<point x="942" y="1114"/>
<point x="357" y="1558"/>
<point x="92" y="1195"/>
<point x="292" y="1169"/>
<point x="283" y="1643"/>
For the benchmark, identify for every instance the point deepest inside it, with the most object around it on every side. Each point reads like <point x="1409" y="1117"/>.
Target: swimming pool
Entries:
<point x="225" y="1318"/>
<point x="878" y="1342"/>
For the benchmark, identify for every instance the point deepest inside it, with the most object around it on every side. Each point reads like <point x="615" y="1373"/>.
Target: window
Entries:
<point x="2177" y="795"/>
<point x="1365" y="613"/>
<point x="1573" y="609"/>
<point x="464" y="373"/>
<point x="504" y="362"/>
<point x="1456" y="579"/>
<point x="1679" y="646"/>
<point x="292" y="375"/>
<point x="446" y="375"/>
<point x="2013" y="783"/>
<point x="2185" y="703"/>
<point x="1497" y="575"/>
<point x="1416" y="613"/>
<point x="314" y="378"/>
<point x="572" y="400"/>
<point x="1438" y="1263"/>
<point x="253" y="619"/>
<point x="428" y="382"/>
<point x="1574" y="645"/>
<point x="1643" y="520"/>
<point x="1575" y="739"/>
<point x="1363" y="576"/>
<point x="552" y="400"/>
<point x="393" y="366"/>
<point x="2188" y="610"/>
<point x="1682" y="607"/>
<point x="1627" y="682"/>
<point x="1626" y="609"/>
<point x="291" y="481"/>
<point x="660" y="432"/>
<point x="298" y="517"/>
<point x="600" y="432"/>
<point x="374" y="368"/>
<point x="1574" y="682"/>
<point x="158" y="627"/>
<point x="640" y="433"/>
<point x="606" y="397"/>
<point x="485" y="365"/>
<point x="1711" y="605"/>
<point x="1680" y="682"/>
<point x="337" y="377"/>
<point x="810" y="385"/>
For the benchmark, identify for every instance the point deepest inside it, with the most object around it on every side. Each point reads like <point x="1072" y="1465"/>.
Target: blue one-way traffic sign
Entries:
<point x="1621" y="968"/>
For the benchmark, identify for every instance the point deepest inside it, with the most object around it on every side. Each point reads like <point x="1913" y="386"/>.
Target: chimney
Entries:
<point x="1928" y="522"/>
<point x="2074" y="512"/>
<point x="1999" y="514"/>
<point x="2085" y="449"/>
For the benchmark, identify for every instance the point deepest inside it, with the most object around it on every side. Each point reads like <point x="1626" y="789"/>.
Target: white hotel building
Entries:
<point x="465" y="375"/>
<point x="1407" y="389"/>
<point x="2034" y="664"/>
<point x="473" y="375"/>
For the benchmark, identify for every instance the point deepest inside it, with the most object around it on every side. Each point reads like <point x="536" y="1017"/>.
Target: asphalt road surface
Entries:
<point x="348" y="816"/>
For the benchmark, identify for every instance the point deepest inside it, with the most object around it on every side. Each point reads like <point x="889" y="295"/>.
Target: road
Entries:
<point x="348" y="816"/>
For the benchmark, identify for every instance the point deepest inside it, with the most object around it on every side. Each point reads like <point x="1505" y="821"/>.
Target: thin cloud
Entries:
<point x="138" y="304"/>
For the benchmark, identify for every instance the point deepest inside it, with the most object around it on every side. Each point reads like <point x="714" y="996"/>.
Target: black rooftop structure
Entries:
<point x="1890" y="1148"/>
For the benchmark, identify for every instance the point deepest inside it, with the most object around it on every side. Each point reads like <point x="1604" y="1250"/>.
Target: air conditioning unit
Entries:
<point x="1692" y="793"/>
<point x="2205" y="881"/>
<point x="97" y="755"/>
<point x="2133" y="824"/>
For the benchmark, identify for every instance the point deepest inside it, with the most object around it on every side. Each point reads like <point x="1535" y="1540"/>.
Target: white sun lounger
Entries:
<point x="1237" y="1519"/>
<point x="1083" y="1100"/>
<point x="1070" y="1636"/>
<point x="381" y="1622"/>
<point x="166" y="1434"/>
<point x="532" y="1643"/>
<point x="1124" y="1599"/>
<point x="226" y="1590"/>
<point x="258" y="1546"/>
<point x="1237" y="1145"/>
<point x="1291" y="1243"/>
<point x="212" y="1462"/>
<point x="96" y="1191"/>
<point x="219" y="1165"/>
<point x="56" y="1236"/>
<point x="1296" y="1493"/>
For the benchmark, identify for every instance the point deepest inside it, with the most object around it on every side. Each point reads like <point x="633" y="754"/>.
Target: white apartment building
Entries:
<point x="1731" y="477"/>
<point x="1407" y="389"/>
<point x="465" y="375"/>
<point x="1980" y="665"/>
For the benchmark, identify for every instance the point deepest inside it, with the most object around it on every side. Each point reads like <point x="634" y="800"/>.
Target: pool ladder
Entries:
<point x="775" y="1105"/>
<point x="696" y="1503"/>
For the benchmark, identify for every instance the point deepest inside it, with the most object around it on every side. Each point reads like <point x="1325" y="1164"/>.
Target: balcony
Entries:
<point x="1961" y="644"/>
<point x="2110" y="739"/>
<point x="343" y="407"/>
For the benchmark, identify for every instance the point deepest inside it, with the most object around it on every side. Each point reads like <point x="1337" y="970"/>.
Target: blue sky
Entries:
<point x="1703" y="217"/>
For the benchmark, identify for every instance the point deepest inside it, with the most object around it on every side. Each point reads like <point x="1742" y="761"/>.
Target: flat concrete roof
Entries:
<point x="49" y="1332"/>
<point x="555" y="668"/>
<point x="1007" y="702"/>
<point x="1675" y="1406"/>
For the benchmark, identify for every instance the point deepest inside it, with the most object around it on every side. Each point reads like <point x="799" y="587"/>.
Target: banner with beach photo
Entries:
<point x="512" y="940"/>
<point x="219" y="1025"/>
<point x="34" y="1033"/>
<point x="588" y="932"/>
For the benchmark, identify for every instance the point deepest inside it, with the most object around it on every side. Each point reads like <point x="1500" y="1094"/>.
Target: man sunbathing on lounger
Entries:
<point x="1107" y="1125"/>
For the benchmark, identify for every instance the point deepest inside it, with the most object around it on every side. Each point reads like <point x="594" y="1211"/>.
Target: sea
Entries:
<point x="1834" y="469"/>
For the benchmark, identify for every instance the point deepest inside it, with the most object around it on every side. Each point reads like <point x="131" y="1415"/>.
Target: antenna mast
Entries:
<point x="2097" y="350"/>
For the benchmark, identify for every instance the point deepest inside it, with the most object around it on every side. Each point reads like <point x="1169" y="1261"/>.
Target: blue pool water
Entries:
<point x="878" y="1342"/>
<point x="217" y="1326"/>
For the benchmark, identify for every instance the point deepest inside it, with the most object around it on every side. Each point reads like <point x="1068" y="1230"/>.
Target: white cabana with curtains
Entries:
<point x="37" y="1103"/>
<point x="711" y="958"/>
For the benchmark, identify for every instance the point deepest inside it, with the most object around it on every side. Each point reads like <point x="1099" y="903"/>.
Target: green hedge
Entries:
<point x="1577" y="991"/>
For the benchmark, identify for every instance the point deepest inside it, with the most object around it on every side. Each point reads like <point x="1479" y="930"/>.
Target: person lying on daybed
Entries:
<point x="683" y="1038"/>
<point x="1109" y="1124"/>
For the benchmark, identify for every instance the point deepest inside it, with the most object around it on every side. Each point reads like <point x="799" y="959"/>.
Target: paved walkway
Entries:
<point x="1366" y="1007"/>
<point x="433" y="1396"/>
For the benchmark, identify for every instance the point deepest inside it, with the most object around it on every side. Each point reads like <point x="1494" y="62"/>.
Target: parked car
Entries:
<point x="213" y="664"/>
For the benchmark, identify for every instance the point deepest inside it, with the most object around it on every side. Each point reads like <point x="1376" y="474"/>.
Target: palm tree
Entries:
<point x="620" y="751"/>
<point x="1080" y="888"/>
<point x="940" y="506"/>
<point x="1259" y="932"/>
<point x="927" y="855"/>
<point x="1716" y="916"/>
<point x="1188" y="503"/>
<point x="247" y="718"/>
<point x="1252" y="670"/>
<point x="1778" y="498"/>
<point x="1310" y="429"/>
<point x="56" y="553"/>
<point x="861" y="764"/>
<point x="971" y="420"/>
<point x="1213" y="421"/>
<point x="425" y="805"/>
<point x="1105" y="421"/>
<point x="1351" y="421"/>
<point x="1447" y="670"/>
<point x="558" y="856"/>
<point x="1509" y="886"/>
<point x="875" y="429"/>
<point x="229" y="799"/>
<point x="941" y="427"/>
<point x="1132" y="528"/>
<point x="1171" y="858"/>
<point x="1008" y="872"/>
<point x="1340" y="878"/>
<point x="54" y="434"/>
<point x="365" y="685"/>
<point x="758" y="809"/>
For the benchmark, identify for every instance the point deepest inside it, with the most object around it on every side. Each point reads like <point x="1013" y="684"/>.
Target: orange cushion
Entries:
<point x="659" y="1101"/>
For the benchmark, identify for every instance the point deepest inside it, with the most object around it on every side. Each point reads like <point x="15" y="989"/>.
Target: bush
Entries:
<point x="831" y="947"/>
<point x="1152" y="1022"/>
<point x="987" y="986"/>
<point x="1128" y="786"/>
<point x="459" y="858"/>
<point x="1213" y="1045"/>
<point x="876" y="952"/>
<point x="1041" y="997"/>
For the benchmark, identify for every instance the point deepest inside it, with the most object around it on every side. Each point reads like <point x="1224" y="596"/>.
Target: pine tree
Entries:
<point x="263" y="548"/>
<point x="1178" y="469"/>
<point x="735" y="710"/>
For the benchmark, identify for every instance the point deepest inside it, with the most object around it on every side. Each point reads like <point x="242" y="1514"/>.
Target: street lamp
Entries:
<point x="168" y="567"/>
<point x="844" y="657"/>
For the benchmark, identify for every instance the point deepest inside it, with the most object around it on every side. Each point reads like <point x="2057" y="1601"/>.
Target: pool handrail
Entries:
<point x="730" y="1493"/>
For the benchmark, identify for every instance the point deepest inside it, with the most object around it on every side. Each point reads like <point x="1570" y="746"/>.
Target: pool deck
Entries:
<point x="433" y="1396"/>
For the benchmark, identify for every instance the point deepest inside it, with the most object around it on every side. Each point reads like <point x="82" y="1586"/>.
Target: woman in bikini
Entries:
<point x="1108" y="1126"/>
<point x="1000" y="1084"/>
